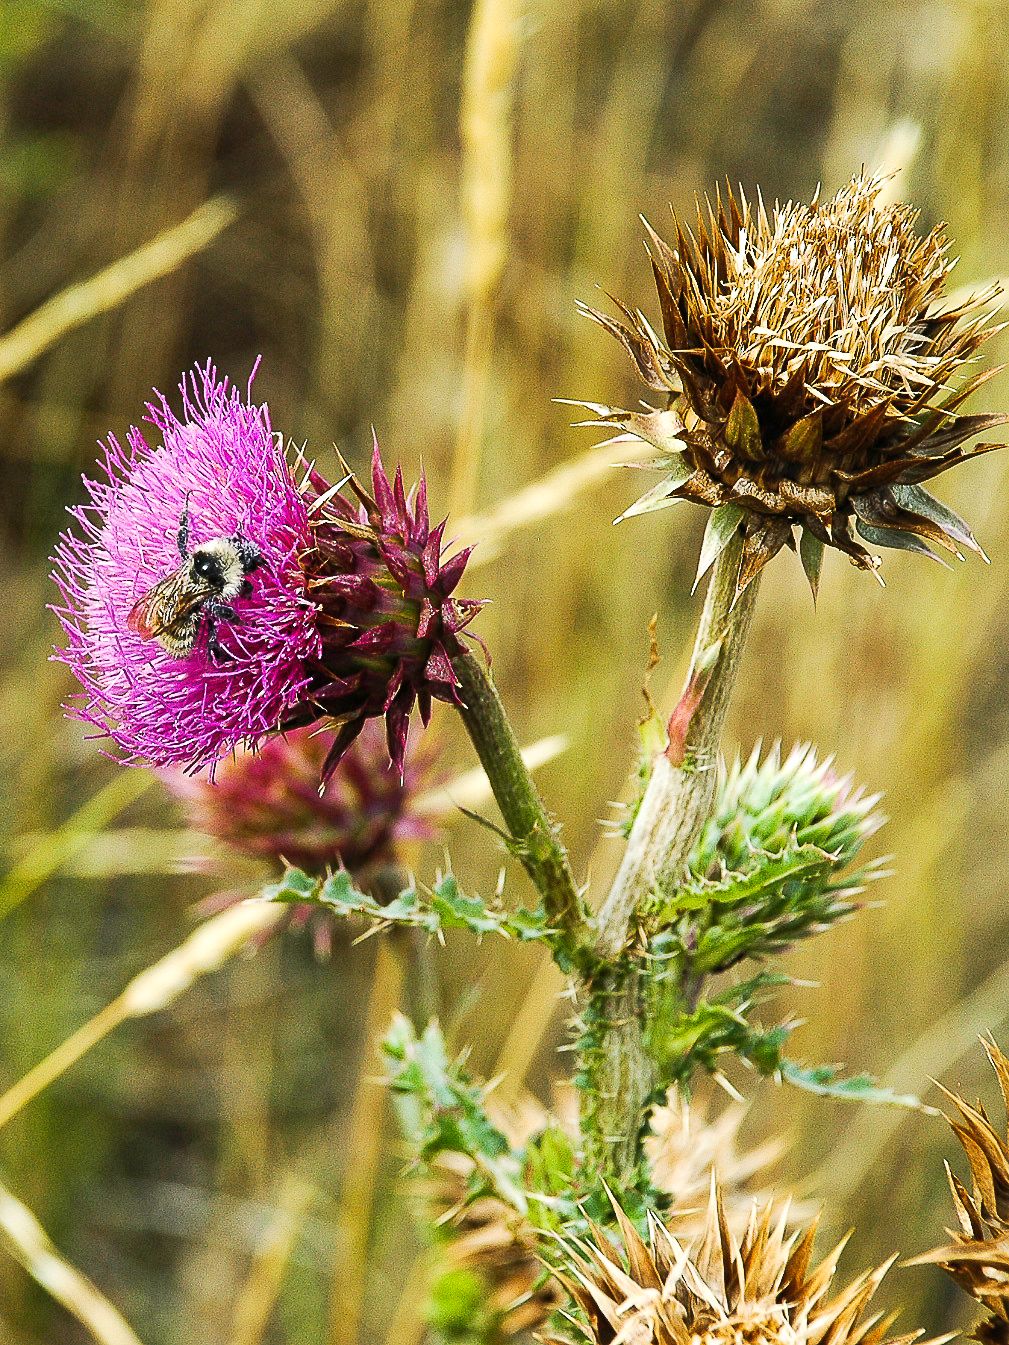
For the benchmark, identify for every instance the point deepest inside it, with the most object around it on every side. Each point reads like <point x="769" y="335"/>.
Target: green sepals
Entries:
<point x="719" y="531"/>
<point x="660" y="496"/>
<point x="896" y="539"/>
<point x="803" y="441"/>
<point x="811" y="554"/>
<point x="742" y="430"/>
<point x="917" y="500"/>
<point x="770" y="866"/>
<point x="435" y="909"/>
<point x="830" y="1081"/>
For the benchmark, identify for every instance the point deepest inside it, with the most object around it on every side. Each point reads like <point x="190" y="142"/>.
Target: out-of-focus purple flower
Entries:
<point x="267" y="805"/>
<point x="344" y="612"/>
<point x="222" y="457"/>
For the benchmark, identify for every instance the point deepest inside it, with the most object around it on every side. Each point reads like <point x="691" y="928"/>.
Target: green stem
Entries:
<point x="534" y="834"/>
<point x="621" y="1078"/>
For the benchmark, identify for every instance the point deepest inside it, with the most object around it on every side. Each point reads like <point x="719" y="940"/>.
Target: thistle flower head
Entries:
<point x="483" y="1236"/>
<point x="267" y="804"/>
<point x="720" y="1289"/>
<point x="805" y="366"/>
<point x="209" y="599"/>
<point x="977" y="1255"/>
<point x="222" y="464"/>
<point x="387" y="616"/>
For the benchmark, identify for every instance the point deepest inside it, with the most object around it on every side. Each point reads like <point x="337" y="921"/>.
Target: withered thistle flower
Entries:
<point x="977" y="1256"/>
<point x="721" y="1289"/>
<point x="341" y="612"/>
<point x="806" y="372"/>
<point x="685" y="1146"/>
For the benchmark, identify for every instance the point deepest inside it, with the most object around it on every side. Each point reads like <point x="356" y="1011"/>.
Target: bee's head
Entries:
<point x="223" y="563"/>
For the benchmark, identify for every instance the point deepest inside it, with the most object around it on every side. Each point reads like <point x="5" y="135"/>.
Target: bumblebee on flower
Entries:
<point x="210" y="599"/>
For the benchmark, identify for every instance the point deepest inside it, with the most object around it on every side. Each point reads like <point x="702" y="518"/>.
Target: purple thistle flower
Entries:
<point x="335" y="612"/>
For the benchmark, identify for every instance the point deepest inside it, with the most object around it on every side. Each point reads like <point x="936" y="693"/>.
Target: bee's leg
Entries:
<point x="216" y="612"/>
<point x="184" y="530"/>
<point x="246" y="588"/>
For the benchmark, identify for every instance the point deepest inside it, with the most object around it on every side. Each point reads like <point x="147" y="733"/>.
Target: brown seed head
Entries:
<point x="722" y="1289"/>
<point x="977" y="1256"/>
<point x="806" y="364"/>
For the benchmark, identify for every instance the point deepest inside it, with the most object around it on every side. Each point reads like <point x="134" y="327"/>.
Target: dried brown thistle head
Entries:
<point x="723" y="1289"/>
<point x="977" y="1255"/>
<point x="686" y="1145"/>
<point x="806" y="365"/>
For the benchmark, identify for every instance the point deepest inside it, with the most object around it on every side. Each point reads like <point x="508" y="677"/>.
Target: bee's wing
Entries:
<point x="169" y="602"/>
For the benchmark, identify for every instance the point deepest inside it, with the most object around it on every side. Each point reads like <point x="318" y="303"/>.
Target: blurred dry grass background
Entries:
<point x="407" y="247"/>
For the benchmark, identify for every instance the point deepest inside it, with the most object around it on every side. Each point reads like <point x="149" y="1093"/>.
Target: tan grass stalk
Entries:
<point x="472" y="788"/>
<point x="51" y="850"/>
<point x="552" y="494"/>
<point x="259" y="1294"/>
<point x="79" y="303"/>
<point x="153" y="989"/>
<point x="29" y="1243"/>
<point x="485" y="124"/>
<point x="364" y="1148"/>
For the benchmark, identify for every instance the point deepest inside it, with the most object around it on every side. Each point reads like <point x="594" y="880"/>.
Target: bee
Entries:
<point x="198" y="595"/>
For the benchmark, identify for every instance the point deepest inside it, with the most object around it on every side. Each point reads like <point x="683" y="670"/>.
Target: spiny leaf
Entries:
<point x="829" y="1081"/>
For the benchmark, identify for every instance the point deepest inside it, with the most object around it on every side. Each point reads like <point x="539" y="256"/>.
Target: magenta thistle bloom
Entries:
<point x="223" y="458"/>
<point x="209" y="600"/>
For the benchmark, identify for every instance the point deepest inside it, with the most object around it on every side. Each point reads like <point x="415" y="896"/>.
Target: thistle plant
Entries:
<point x="810" y="376"/>
<point x="348" y="615"/>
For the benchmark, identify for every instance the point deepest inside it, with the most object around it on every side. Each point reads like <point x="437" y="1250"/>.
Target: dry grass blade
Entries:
<point x="28" y="1242"/>
<point x="554" y="492"/>
<point x="472" y="788"/>
<point x="486" y="131"/>
<point x="205" y="950"/>
<point x="50" y="851"/>
<point x="259" y="1294"/>
<point x="365" y="1143"/>
<point x="79" y="303"/>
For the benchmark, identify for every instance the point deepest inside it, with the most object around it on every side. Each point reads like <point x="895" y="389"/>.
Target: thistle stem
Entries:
<point x="675" y="806"/>
<point x="529" y="825"/>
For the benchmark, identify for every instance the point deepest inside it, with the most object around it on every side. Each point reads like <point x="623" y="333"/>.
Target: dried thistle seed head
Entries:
<point x="483" y="1236"/>
<point x="977" y="1256"/>
<point x="806" y="369"/>
<point x="719" y="1289"/>
<point x="687" y="1142"/>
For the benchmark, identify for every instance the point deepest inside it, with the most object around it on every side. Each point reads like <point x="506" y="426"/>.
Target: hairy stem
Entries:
<point x="529" y="825"/>
<point x="677" y="802"/>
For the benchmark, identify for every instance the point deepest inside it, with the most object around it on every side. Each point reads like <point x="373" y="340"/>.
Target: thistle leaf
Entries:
<point x="829" y="1081"/>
